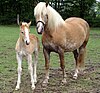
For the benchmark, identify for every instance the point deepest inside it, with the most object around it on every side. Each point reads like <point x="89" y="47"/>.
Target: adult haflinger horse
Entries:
<point x="26" y="45"/>
<point x="61" y="36"/>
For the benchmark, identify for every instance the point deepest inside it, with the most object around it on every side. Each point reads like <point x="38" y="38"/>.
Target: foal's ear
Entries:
<point x="20" y="23"/>
<point x="29" y="23"/>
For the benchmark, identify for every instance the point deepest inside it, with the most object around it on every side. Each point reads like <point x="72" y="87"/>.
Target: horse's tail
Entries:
<point x="87" y="35"/>
<point x="82" y="49"/>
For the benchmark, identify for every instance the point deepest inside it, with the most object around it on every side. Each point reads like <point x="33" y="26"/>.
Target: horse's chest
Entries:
<point x="50" y="46"/>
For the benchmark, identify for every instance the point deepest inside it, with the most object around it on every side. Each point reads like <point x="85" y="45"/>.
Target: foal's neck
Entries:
<point x="22" y="43"/>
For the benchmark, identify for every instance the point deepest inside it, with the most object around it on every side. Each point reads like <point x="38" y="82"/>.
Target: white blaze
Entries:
<point x="26" y="36"/>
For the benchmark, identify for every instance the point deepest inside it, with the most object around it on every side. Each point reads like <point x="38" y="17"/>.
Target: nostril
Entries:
<point x="27" y="43"/>
<point x="42" y="28"/>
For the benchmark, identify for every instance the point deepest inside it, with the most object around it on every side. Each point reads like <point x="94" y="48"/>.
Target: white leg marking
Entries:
<point x="30" y="68"/>
<point x="76" y="74"/>
<point x="19" y="60"/>
<point x="35" y="66"/>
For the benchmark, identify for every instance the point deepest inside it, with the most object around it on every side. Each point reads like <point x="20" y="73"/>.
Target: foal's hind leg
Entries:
<point x="35" y="65"/>
<point x="30" y="68"/>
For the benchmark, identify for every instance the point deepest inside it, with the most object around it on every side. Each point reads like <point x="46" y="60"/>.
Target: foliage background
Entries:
<point x="86" y="9"/>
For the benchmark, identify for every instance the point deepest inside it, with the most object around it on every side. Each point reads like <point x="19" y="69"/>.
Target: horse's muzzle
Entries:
<point x="40" y="29"/>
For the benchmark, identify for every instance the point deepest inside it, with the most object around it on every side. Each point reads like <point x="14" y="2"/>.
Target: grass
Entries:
<point x="87" y="83"/>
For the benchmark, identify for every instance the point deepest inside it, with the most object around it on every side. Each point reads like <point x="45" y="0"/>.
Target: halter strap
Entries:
<point x="41" y="22"/>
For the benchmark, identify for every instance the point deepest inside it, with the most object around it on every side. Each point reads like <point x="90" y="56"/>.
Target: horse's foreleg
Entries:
<point x="62" y="64"/>
<point x="19" y="60"/>
<point x="47" y="60"/>
<point x="30" y="68"/>
<point x="35" y="66"/>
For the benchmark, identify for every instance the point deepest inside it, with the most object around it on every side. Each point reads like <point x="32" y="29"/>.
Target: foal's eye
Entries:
<point x="22" y="32"/>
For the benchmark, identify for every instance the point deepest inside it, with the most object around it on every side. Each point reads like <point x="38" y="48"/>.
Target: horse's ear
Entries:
<point x="47" y="2"/>
<point x="29" y="23"/>
<point x="36" y="2"/>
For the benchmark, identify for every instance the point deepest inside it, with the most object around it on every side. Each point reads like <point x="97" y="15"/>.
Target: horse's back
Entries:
<point x="78" y="29"/>
<point x="74" y="19"/>
<point x="77" y="21"/>
<point x="78" y="24"/>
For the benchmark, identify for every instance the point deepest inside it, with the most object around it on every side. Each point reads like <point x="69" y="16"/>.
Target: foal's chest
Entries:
<point x="23" y="52"/>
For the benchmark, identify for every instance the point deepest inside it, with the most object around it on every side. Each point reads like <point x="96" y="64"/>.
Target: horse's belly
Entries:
<point x="73" y="46"/>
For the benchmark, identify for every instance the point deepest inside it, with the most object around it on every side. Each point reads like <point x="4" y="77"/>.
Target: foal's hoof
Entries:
<point x="35" y="81"/>
<point x="75" y="77"/>
<point x="33" y="87"/>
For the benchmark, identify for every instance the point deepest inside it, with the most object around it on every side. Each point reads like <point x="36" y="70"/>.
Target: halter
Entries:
<point x="41" y="22"/>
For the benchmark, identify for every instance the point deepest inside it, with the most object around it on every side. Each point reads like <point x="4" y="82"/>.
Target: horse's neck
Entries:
<point x="54" y="18"/>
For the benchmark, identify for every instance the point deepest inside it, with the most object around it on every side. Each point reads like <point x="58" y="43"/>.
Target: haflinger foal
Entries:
<point x="27" y="44"/>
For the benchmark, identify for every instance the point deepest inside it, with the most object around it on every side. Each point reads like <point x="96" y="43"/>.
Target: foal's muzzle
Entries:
<point x="27" y="43"/>
<point x="40" y="27"/>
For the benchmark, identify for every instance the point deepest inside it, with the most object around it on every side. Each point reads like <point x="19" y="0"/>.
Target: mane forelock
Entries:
<point x="54" y="18"/>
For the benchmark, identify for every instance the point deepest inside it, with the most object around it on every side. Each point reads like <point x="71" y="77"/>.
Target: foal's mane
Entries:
<point x="54" y="18"/>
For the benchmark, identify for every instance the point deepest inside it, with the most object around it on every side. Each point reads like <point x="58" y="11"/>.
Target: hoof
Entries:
<point x="33" y="87"/>
<point x="75" y="77"/>
<point x="45" y="82"/>
<point x="35" y="81"/>
<point x="64" y="81"/>
<point x="17" y="88"/>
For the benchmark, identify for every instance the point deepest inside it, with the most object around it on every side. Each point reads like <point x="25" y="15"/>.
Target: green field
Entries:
<point x="89" y="82"/>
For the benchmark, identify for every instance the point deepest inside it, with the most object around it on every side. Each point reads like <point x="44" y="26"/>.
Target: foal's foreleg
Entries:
<point x="30" y="68"/>
<point x="62" y="64"/>
<point x="35" y="65"/>
<point x="19" y="60"/>
<point x="47" y="60"/>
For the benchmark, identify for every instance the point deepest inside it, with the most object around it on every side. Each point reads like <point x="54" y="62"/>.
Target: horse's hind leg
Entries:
<point x="80" y="59"/>
<point x="76" y="54"/>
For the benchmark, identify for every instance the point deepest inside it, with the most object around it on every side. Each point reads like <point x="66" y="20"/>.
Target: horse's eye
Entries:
<point x="22" y="32"/>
